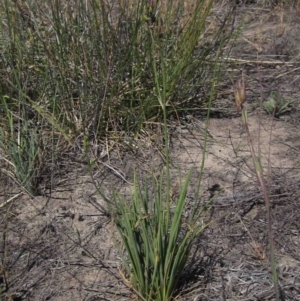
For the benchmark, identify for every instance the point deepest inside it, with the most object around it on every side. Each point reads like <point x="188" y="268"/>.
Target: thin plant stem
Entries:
<point x="264" y="189"/>
<point x="240" y="98"/>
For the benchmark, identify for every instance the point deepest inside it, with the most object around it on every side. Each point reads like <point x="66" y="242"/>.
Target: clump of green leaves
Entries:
<point x="155" y="236"/>
<point x="277" y="105"/>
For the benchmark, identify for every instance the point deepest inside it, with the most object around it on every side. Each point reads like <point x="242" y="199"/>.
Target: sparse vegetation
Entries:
<point x="80" y="79"/>
<point x="103" y="70"/>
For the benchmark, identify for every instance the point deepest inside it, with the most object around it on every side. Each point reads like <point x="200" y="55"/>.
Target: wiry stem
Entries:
<point x="262" y="183"/>
<point x="240" y="97"/>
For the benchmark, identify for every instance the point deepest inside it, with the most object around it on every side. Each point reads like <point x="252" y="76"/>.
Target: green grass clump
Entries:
<point x="98" y="62"/>
<point x="156" y="237"/>
<point x="93" y="69"/>
<point x="21" y="153"/>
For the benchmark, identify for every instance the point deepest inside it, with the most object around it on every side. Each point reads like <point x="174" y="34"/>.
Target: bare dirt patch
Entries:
<point x="239" y="238"/>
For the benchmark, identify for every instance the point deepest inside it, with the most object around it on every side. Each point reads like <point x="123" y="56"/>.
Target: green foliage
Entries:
<point x="99" y="62"/>
<point x="277" y="105"/>
<point x="156" y="237"/>
<point x="93" y="69"/>
<point x="19" y="142"/>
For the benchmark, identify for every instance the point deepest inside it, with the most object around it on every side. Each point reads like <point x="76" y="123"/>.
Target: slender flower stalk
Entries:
<point x="240" y="98"/>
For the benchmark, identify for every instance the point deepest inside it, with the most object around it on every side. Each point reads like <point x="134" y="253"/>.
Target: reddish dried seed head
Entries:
<point x="240" y="93"/>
